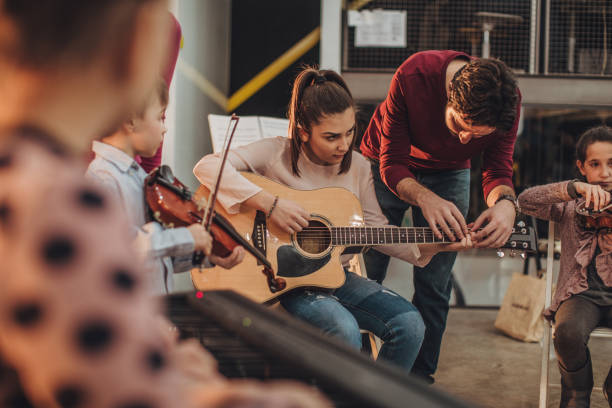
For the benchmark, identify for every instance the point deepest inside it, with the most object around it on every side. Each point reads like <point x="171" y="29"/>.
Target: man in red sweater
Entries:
<point x="443" y="108"/>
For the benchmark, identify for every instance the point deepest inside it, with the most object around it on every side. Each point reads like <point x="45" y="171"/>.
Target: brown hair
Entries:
<point x="596" y="134"/>
<point x="51" y="31"/>
<point x="316" y="94"/>
<point x="160" y="93"/>
<point x="485" y="92"/>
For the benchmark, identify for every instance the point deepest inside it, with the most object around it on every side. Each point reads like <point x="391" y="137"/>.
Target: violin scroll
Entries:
<point x="275" y="284"/>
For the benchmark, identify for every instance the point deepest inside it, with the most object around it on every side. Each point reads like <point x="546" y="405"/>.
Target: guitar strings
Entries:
<point x="345" y="233"/>
<point x="325" y="234"/>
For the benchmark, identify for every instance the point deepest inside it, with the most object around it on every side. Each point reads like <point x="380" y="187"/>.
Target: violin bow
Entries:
<point x="212" y="198"/>
<point x="275" y="284"/>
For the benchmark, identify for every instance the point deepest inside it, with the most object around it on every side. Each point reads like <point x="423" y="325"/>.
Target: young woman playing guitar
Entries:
<point x="319" y="153"/>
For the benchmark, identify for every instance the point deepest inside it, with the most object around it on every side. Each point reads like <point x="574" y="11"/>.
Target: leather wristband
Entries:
<point x="510" y="198"/>
<point x="571" y="189"/>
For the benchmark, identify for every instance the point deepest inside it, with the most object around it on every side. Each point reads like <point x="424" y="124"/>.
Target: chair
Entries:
<point x="600" y="332"/>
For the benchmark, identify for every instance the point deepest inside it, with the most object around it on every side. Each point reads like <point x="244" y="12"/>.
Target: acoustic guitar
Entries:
<point x="311" y="258"/>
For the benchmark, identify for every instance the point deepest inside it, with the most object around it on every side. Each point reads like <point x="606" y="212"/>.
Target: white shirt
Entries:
<point x="166" y="250"/>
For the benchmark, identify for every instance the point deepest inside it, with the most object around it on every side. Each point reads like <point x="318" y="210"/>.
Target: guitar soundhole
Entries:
<point x="315" y="238"/>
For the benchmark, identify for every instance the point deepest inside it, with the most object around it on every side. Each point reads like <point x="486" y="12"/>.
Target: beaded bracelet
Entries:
<point x="273" y="206"/>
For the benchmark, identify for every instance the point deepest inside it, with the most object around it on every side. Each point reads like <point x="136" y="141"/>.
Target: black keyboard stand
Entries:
<point x="251" y="340"/>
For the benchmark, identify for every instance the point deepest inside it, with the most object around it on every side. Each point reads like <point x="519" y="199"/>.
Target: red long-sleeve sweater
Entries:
<point x="408" y="133"/>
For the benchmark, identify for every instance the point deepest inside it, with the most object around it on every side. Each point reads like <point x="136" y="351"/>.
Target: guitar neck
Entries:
<point x="372" y="236"/>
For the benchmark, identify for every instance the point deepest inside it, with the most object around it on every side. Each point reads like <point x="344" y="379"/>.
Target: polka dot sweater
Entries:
<point x="78" y="325"/>
<point x="77" y="322"/>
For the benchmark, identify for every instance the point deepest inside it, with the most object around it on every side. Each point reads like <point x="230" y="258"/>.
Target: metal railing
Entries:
<point x="534" y="37"/>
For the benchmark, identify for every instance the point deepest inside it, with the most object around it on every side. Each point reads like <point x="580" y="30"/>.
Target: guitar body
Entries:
<point x="311" y="258"/>
<point x="300" y="262"/>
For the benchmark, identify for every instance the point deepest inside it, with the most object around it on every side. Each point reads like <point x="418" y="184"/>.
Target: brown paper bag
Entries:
<point x="520" y="315"/>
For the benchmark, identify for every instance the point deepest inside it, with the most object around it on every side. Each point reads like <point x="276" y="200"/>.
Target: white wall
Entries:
<point x="331" y="35"/>
<point x="206" y="47"/>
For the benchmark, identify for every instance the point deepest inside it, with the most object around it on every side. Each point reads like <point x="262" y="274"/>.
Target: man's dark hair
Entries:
<point x="49" y="31"/>
<point x="485" y="91"/>
<point x="596" y="134"/>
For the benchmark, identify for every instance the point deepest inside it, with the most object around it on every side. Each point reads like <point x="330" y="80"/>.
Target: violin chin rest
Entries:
<point x="166" y="172"/>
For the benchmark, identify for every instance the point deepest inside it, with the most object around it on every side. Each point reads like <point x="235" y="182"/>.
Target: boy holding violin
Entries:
<point x="114" y="167"/>
<point x="583" y="298"/>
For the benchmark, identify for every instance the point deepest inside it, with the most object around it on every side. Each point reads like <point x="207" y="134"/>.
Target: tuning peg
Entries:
<point x="500" y="253"/>
<point x="523" y="255"/>
<point x="512" y="253"/>
<point x="521" y="224"/>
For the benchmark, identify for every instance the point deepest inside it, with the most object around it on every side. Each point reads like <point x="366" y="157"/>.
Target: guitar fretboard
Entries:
<point x="346" y="236"/>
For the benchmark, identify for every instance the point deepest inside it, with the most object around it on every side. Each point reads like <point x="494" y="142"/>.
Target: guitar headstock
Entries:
<point x="523" y="240"/>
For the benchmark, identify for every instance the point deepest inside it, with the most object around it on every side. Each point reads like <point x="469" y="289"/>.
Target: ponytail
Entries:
<point x="316" y="94"/>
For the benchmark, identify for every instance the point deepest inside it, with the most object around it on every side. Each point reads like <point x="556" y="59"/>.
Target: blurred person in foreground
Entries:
<point x="78" y="327"/>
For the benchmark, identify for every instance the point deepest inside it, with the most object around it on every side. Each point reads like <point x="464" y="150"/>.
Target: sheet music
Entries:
<point x="273" y="127"/>
<point x="249" y="129"/>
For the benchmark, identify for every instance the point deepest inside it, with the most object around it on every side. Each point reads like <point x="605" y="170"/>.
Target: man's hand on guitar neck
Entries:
<point x="432" y="249"/>
<point x="439" y="213"/>
<point x="494" y="226"/>
<point x="286" y="214"/>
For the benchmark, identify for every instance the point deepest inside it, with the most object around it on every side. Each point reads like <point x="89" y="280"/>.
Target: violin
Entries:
<point x="171" y="203"/>
<point x="594" y="219"/>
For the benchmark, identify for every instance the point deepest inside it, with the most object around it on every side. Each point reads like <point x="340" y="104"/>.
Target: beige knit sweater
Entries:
<point x="271" y="158"/>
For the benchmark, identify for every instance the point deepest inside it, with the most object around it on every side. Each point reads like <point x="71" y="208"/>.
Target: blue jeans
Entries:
<point x="362" y="303"/>
<point x="432" y="283"/>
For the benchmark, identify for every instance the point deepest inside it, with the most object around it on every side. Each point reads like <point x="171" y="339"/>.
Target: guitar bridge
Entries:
<point x="260" y="229"/>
